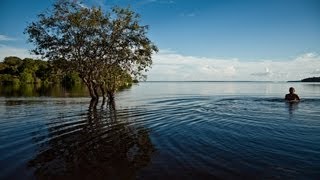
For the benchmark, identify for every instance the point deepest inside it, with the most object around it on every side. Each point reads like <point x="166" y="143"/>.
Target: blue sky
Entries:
<point x="257" y="33"/>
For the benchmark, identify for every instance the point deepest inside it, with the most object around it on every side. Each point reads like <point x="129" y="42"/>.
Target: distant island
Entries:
<point x="311" y="79"/>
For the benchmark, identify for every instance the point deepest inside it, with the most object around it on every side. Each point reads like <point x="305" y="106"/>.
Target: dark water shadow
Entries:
<point x="39" y="90"/>
<point x="303" y="103"/>
<point x="292" y="106"/>
<point x="103" y="146"/>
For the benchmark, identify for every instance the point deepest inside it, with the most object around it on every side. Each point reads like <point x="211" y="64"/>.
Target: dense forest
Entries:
<point x="14" y="70"/>
<point x="17" y="71"/>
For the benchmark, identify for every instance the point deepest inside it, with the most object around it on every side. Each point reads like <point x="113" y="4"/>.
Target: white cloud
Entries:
<point x="6" y="51"/>
<point x="266" y="73"/>
<point x="172" y="66"/>
<point x="316" y="72"/>
<point x="6" y="38"/>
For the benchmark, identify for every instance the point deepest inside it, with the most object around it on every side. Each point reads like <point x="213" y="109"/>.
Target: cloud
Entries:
<point x="6" y="51"/>
<point x="171" y="66"/>
<point x="316" y="71"/>
<point x="266" y="73"/>
<point x="6" y="38"/>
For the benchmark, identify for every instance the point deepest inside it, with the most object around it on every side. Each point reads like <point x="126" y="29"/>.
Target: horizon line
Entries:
<point x="220" y="81"/>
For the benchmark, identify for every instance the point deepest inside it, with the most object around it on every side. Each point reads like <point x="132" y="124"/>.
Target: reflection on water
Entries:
<point x="164" y="131"/>
<point x="100" y="145"/>
<point x="35" y="90"/>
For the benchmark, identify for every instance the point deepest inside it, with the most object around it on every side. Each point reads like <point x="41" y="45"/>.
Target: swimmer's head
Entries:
<point x="291" y="90"/>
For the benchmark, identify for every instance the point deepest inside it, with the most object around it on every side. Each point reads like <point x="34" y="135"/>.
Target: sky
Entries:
<point x="204" y="40"/>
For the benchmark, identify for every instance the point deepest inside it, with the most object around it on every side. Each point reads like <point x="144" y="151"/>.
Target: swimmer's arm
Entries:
<point x="286" y="97"/>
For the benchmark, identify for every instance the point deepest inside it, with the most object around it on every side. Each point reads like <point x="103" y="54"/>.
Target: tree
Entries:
<point x="12" y="61"/>
<point x="115" y="79"/>
<point x="27" y="77"/>
<point x="92" y="43"/>
<point x="10" y="65"/>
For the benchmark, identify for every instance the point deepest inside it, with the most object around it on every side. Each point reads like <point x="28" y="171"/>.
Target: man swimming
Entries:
<point x="292" y="96"/>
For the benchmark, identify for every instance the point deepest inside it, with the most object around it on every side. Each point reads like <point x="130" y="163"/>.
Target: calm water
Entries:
<point x="158" y="130"/>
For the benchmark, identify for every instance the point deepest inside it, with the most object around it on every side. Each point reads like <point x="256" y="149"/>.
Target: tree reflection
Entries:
<point x="106" y="146"/>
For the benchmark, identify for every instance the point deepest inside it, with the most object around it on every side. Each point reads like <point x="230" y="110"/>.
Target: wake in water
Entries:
<point x="233" y="137"/>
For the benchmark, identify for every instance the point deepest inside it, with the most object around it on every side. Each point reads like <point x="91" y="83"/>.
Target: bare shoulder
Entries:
<point x="287" y="96"/>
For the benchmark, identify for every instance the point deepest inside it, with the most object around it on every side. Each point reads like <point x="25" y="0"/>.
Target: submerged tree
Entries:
<point x="98" y="46"/>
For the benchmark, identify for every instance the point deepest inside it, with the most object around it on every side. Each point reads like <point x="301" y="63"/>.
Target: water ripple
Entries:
<point x="210" y="137"/>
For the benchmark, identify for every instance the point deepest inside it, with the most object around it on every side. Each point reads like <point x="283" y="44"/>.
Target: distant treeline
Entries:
<point x="311" y="79"/>
<point x="14" y="70"/>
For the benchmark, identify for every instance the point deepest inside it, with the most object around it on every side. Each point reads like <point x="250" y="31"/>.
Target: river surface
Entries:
<point x="163" y="130"/>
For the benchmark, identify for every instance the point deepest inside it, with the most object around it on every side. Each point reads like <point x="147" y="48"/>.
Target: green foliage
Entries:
<point x="7" y="78"/>
<point x="29" y="65"/>
<point x="10" y="65"/>
<point x="13" y="70"/>
<point x="26" y="77"/>
<point x="12" y="61"/>
<point x="44" y="71"/>
<point x="32" y="71"/>
<point x="71" y="79"/>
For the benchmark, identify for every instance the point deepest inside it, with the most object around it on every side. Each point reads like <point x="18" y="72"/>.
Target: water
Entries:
<point x="173" y="130"/>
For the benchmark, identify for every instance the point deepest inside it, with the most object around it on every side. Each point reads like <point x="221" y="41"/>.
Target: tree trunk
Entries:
<point x="93" y="104"/>
<point x="103" y="92"/>
<point x="90" y="88"/>
<point x="110" y="95"/>
<point x="95" y="89"/>
<point x="93" y="92"/>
